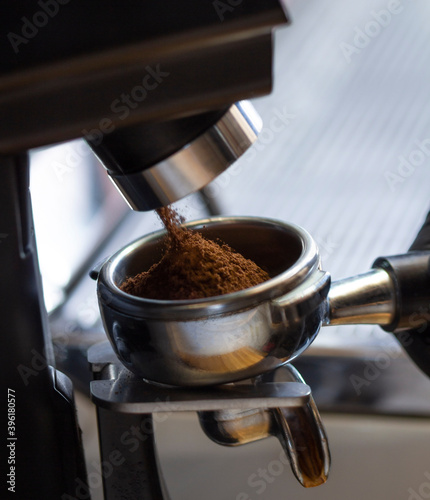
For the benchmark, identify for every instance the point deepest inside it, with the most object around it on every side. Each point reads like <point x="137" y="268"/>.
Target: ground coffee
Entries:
<point x="193" y="267"/>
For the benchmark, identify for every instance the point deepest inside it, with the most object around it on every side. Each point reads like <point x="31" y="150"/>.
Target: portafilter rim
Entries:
<point x="110" y="293"/>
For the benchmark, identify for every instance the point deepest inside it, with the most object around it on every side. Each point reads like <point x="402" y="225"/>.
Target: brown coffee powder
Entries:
<point x="193" y="267"/>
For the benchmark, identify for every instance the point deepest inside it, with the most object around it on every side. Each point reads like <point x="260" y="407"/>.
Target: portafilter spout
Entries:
<point x="299" y="430"/>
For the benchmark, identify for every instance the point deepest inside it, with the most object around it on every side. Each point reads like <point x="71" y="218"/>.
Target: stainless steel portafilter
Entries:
<point x="248" y="335"/>
<point x="241" y="335"/>
<point x="225" y="338"/>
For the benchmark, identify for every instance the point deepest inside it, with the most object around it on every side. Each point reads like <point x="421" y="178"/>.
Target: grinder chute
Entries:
<point x="157" y="163"/>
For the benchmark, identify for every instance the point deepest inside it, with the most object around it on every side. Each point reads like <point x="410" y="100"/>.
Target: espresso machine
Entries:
<point x="155" y="90"/>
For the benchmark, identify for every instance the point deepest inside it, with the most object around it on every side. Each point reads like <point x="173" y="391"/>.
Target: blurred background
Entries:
<point x="345" y="153"/>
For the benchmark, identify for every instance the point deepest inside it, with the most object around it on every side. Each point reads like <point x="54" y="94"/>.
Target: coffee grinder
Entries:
<point x="114" y="73"/>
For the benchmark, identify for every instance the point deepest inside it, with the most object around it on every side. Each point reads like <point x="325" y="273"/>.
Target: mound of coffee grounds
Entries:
<point x="193" y="267"/>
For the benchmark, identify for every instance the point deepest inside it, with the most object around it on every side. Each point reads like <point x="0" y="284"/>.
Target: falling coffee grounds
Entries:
<point x="193" y="267"/>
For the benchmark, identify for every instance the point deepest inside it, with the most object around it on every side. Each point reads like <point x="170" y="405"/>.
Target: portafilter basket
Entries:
<point x="243" y="334"/>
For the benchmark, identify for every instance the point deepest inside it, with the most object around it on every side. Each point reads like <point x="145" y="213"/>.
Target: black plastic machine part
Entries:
<point x="75" y="68"/>
<point x="137" y="147"/>
<point x="411" y="276"/>
<point x="42" y="455"/>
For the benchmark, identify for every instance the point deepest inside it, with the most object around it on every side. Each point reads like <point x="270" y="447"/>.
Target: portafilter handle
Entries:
<point x="395" y="294"/>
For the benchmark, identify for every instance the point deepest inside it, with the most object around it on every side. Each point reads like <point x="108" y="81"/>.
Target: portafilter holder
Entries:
<point x="244" y="334"/>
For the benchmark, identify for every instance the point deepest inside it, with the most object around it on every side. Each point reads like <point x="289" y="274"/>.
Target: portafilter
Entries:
<point x="244" y="334"/>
